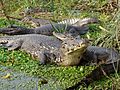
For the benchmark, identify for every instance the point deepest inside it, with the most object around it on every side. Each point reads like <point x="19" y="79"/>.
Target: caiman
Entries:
<point x="37" y="22"/>
<point x="63" y="50"/>
<point x="66" y="51"/>
<point x="79" y="28"/>
<point x="107" y="61"/>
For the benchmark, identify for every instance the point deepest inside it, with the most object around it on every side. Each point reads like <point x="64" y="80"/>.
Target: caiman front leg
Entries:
<point x="45" y="56"/>
<point x="102" y="70"/>
<point x="12" y="44"/>
<point x="41" y="55"/>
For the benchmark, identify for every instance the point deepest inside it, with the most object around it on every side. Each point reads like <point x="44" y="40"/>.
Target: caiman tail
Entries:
<point x="86" y="21"/>
<point x="102" y="70"/>
<point x="79" y="22"/>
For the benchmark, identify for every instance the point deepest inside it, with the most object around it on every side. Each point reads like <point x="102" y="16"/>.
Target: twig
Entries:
<point x="103" y="29"/>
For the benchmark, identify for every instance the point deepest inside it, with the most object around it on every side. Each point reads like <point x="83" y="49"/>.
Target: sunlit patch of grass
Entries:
<point x="110" y="34"/>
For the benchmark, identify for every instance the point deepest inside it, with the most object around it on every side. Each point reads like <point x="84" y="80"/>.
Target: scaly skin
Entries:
<point x="69" y="29"/>
<point x="80" y="27"/>
<point x="65" y="52"/>
<point x="78" y="21"/>
<point x="37" y="22"/>
<point x="106" y="59"/>
<point x="45" y="30"/>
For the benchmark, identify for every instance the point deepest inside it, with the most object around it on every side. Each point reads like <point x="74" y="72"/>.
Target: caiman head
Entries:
<point x="81" y="26"/>
<point x="71" y="50"/>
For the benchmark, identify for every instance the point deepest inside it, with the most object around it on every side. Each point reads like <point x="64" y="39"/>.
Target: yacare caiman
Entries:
<point x="63" y="50"/>
<point x="78" y="28"/>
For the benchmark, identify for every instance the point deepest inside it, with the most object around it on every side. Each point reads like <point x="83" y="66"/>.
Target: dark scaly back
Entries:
<point x="78" y="21"/>
<point x="99" y="54"/>
<point x="86" y="21"/>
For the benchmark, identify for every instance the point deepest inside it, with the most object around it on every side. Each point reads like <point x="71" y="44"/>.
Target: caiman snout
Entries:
<point x="75" y="45"/>
<point x="73" y="51"/>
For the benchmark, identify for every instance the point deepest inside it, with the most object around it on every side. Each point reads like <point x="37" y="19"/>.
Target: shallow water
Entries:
<point x="10" y="80"/>
<point x="16" y="81"/>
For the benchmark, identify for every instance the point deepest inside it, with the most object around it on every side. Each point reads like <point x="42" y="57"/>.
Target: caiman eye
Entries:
<point x="64" y="37"/>
<point x="71" y="39"/>
<point x="65" y="43"/>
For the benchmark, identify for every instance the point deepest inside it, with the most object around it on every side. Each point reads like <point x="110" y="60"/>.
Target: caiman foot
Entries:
<point x="14" y="30"/>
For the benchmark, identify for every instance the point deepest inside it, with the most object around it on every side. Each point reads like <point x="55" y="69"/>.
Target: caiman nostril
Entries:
<point x="68" y="50"/>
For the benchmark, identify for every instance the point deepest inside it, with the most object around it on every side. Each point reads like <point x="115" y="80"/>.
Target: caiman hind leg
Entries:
<point x="41" y="55"/>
